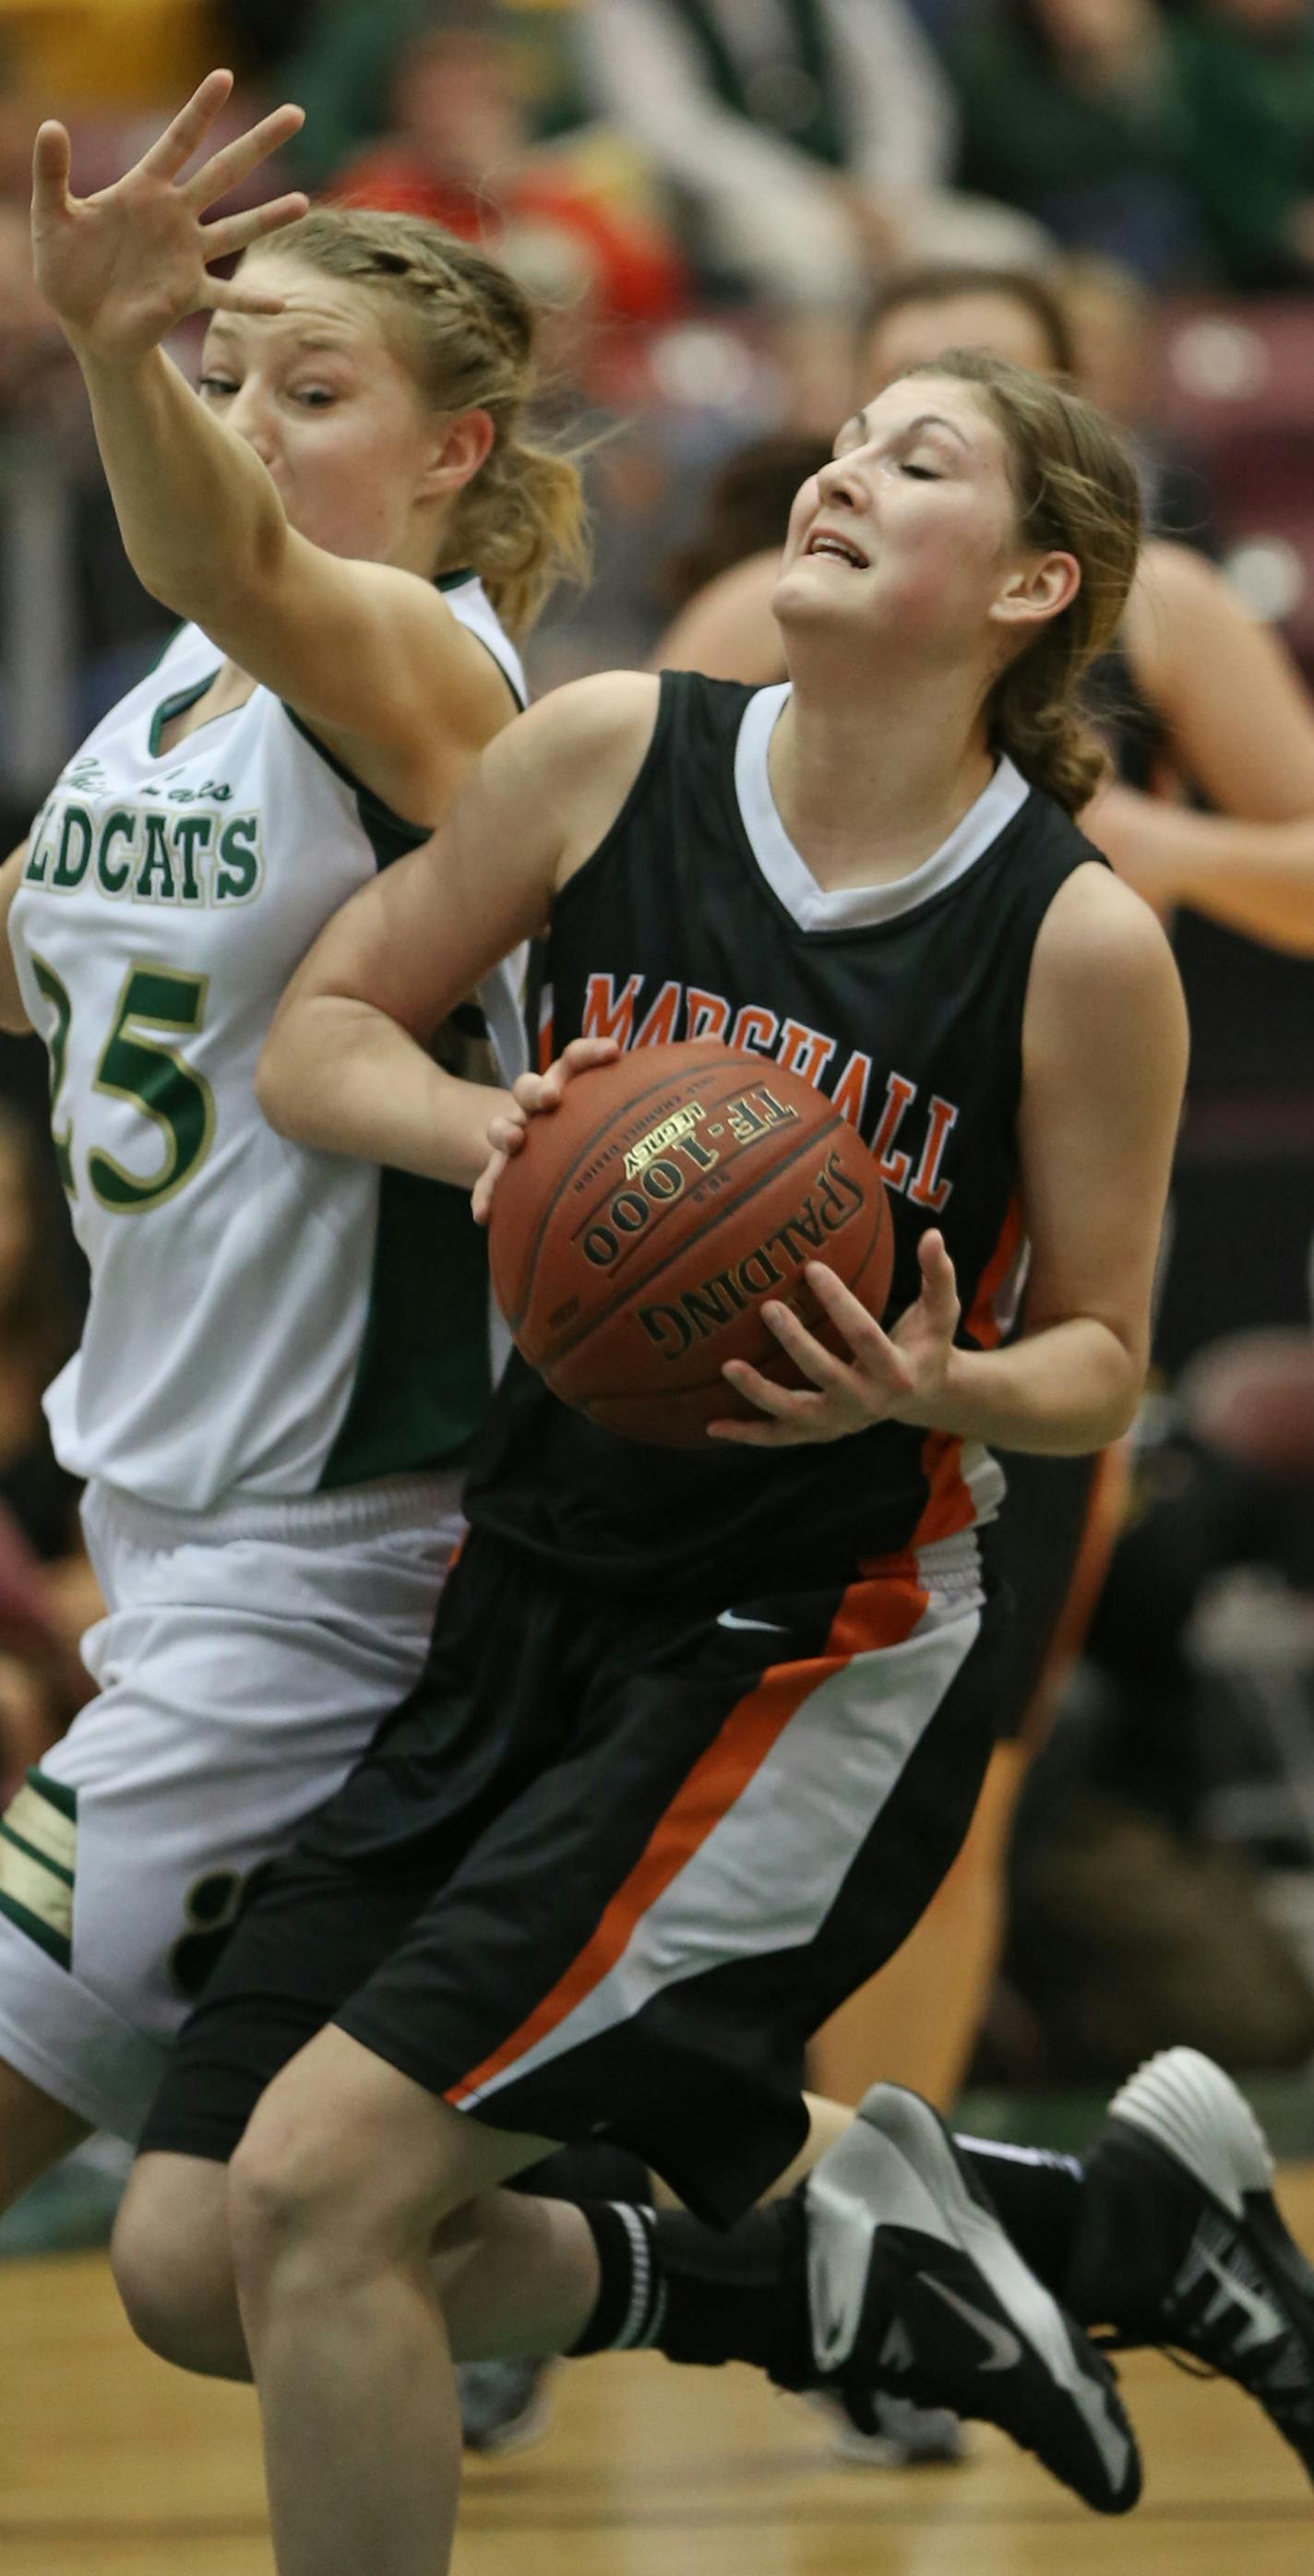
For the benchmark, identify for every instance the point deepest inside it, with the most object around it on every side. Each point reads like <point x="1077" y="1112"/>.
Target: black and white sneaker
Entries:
<point x="1181" y="2242"/>
<point x="888" y="2432"/>
<point x="913" y="2287"/>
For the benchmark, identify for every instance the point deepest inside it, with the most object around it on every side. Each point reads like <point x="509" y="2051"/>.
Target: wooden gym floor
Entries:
<point x="113" y="2465"/>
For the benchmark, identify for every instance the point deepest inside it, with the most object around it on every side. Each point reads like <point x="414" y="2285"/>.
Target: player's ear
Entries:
<point x="460" y="445"/>
<point x="1039" y="588"/>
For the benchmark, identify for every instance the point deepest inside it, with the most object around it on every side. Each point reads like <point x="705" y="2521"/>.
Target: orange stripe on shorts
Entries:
<point x="870" y="1615"/>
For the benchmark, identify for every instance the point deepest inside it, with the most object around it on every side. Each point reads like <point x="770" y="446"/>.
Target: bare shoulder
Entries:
<point x="1102" y="963"/>
<point x="567" y="764"/>
<point x="727" y="629"/>
<point x="1174" y="593"/>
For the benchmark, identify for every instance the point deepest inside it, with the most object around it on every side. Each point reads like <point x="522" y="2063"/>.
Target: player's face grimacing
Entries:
<point x="910" y="532"/>
<point x="328" y="407"/>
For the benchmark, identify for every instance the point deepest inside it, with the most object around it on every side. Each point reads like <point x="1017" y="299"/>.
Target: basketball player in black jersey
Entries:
<point x="617" y="1856"/>
<point x="1190" y="691"/>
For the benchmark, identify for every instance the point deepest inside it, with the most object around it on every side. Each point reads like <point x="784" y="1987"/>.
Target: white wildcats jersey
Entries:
<point x="263" y="1319"/>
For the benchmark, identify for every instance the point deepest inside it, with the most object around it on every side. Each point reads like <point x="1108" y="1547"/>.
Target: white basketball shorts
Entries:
<point x="246" y="1658"/>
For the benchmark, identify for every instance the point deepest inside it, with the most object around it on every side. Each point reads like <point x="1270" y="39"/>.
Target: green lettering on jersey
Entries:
<point x="118" y="826"/>
<point x="240" y="868"/>
<point x="38" y="853"/>
<point x="137" y="1066"/>
<point x="192" y="832"/>
<point x="158" y="862"/>
<point x="72" y="864"/>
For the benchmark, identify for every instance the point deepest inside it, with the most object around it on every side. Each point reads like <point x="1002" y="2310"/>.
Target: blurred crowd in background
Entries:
<point x="715" y="198"/>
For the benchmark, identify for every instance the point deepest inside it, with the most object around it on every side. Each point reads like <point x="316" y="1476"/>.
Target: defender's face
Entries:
<point x="321" y="397"/>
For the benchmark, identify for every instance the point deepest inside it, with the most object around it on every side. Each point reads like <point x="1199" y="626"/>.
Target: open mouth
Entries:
<point x="824" y="542"/>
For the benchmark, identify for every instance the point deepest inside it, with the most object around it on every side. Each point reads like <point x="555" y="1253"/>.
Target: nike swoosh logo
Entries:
<point x="1004" y="2348"/>
<point x="731" y="1619"/>
<point x="1267" y="2322"/>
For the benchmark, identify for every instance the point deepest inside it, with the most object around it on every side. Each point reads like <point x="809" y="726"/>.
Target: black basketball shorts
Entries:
<point x="613" y="1862"/>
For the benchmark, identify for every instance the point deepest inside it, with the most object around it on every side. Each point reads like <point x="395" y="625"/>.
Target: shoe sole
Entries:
<point x="898" y="2158"/>
<point x="859" y="2450"/>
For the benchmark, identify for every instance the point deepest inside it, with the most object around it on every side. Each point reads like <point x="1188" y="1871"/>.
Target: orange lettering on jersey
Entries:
<point x="850" y="1094"/>
<point x="804" y="1051"/>
<point x="608" y="1014"/>
<point x="928" y="1190"/>
<point x="709" y="1013"/>
<point x="899" y="1096"/>
<point x="755" y="1028"/>
<point x="659" y="1027"/>
<point x="545" y="1028"/>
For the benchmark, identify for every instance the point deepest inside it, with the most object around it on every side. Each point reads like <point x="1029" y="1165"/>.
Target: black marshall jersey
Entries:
<point x="696" y="917"/>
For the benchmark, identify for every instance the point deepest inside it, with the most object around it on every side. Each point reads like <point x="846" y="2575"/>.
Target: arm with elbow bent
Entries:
<point x="1240" y="725"/>
<point x="1104" y="1064"/>
<point x="345" y="1065"/>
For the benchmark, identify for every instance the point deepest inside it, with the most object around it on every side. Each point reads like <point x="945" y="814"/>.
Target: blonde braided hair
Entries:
<point x="466" y="331"/>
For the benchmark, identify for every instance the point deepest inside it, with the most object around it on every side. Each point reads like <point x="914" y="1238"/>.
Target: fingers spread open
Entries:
<point x="237" y="232"/>
<point x="189" y="128"/>
<point x="239" y="158"/>
<point x="825" y="1368"/>
<point x="794" y="1413"/>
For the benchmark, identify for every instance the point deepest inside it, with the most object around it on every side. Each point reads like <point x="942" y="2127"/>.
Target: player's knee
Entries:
<point x="321" y="2197"/>
<point x="173" y="2271"/>
<point x="299" y="2189"/>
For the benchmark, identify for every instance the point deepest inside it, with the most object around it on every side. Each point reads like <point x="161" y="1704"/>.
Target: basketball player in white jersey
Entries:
<point x="284" y="1357"/>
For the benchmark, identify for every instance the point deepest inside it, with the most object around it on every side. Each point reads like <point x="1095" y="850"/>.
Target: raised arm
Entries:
<point x="345" y="1066"/>
<point x="370" y="655"/>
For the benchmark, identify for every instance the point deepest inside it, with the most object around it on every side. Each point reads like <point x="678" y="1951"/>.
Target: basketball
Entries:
<point x="636" y="1236"/>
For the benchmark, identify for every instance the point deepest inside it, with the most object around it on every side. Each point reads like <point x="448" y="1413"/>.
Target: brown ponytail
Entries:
<point x="1076" y="490"/>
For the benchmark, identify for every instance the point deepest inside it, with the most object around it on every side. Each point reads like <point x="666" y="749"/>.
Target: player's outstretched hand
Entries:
<point x="533" y="1094"/>
<point x="881" y="1377"/>
<point x="122" y="268"/>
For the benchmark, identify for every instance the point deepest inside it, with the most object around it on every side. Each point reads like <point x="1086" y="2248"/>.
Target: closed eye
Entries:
<point x="921" y="473"/>
<point x="216" y="386"/>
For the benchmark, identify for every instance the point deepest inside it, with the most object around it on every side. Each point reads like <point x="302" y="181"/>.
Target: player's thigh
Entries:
<point x="233" y="1701"/>
<point x="642" y="1938"/>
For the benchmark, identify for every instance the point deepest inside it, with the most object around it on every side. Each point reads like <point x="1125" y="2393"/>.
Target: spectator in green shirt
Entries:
<point x="1073" y="110"/>
<point x="1247" y="69"/>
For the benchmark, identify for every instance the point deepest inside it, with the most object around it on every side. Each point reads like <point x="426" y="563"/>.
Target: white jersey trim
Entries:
<point x="854" y="907"/>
